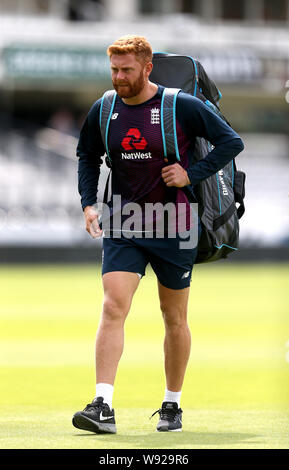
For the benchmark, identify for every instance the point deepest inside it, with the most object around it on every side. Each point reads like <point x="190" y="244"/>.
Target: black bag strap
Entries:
<point x="239" y="190"/>
<point x="222" y="219"/>
<point x="106" y="189"/>
<point x="106" y="109"/>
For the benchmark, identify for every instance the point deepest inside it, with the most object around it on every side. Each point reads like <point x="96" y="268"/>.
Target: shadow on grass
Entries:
<point x="172" y="440"/>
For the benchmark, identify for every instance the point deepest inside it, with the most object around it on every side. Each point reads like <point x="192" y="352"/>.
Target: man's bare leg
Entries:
<point x="119" y="288"/>
<point x="177" y="342"/>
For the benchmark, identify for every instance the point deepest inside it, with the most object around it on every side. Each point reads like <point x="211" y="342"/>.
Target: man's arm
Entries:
<point x="90" y="149"/>
<point x="198" y="120"/>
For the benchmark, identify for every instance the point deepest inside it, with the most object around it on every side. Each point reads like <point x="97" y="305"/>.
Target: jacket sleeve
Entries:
<point x="198" y="120"/>
<point x="89" y="150"/>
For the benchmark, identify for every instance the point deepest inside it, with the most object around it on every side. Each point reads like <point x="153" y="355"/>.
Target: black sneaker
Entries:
<point x="170" y="417"/>
<point x="96" y="417"/>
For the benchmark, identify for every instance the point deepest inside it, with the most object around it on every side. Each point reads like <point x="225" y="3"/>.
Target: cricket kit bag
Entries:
<point x="217" y="195"/>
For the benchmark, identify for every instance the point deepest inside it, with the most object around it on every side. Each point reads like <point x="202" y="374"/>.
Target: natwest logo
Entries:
<point x="134" y="140"/>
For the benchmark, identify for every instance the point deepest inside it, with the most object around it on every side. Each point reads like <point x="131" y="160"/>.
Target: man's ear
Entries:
<point x="148" y="68"/>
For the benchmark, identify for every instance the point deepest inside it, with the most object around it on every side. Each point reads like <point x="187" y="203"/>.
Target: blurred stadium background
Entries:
<point x="53" y="66"/>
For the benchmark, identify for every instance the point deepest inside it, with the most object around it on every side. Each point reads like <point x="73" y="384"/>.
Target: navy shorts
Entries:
<point x="172" y="265"/>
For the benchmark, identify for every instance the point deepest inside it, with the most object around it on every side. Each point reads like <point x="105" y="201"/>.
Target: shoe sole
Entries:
<point x="169" y="430"/>
<point x="82" y="422"/>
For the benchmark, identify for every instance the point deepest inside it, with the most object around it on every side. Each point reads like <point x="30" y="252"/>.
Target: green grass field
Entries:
<point x="236" y="391"/>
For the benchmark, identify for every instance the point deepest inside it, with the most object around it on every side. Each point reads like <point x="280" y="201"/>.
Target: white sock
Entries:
<point x="105" y="391"/>
<point x="173" y="396"/>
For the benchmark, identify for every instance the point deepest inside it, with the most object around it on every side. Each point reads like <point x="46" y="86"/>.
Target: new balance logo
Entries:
<point x="134" y="140"/>
<point x="185" y="275"/>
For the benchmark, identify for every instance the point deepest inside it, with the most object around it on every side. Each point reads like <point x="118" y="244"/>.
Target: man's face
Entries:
<point x="128" y="75"/>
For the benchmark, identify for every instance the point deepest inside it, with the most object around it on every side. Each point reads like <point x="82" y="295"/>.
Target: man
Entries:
<point x="141" y="175"/>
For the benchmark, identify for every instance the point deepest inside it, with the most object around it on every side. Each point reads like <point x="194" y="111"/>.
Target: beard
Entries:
<point x="129" y="90"/>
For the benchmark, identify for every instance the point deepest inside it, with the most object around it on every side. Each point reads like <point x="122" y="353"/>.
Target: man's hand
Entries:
<point x="91" y="221"/>
<point x="175" y="175"/>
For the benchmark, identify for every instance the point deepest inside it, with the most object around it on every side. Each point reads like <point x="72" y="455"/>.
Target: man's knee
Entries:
<point x="114" y="309"/>
<point x="174" y="316"/>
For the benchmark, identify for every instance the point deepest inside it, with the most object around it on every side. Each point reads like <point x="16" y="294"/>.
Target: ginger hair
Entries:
<point x="132" y="44"/>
